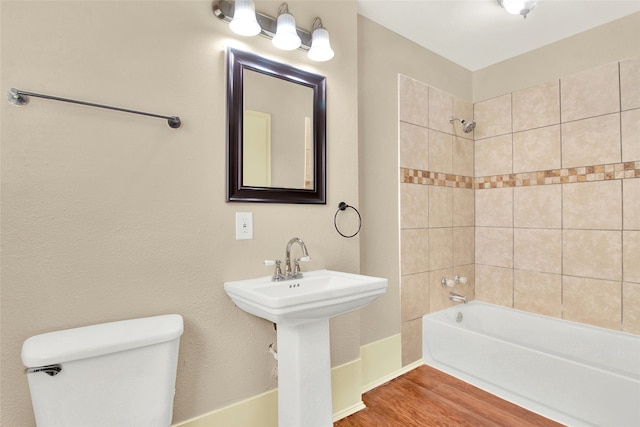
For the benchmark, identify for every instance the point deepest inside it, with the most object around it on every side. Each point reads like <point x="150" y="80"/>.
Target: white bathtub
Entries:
<point x="576" y="374"/>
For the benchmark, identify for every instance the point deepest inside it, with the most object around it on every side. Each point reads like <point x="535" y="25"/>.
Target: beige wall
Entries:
<point x="382" y="56"/>
<point x="557" y="168"/>
<point x="599" y="46"/>
<point x="110" y="216"/>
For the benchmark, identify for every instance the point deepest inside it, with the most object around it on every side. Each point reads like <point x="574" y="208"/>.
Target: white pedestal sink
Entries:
<point x="301" y="308"/>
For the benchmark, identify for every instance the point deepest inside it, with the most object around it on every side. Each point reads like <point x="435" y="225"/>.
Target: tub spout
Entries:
<point x="457" y="297"/>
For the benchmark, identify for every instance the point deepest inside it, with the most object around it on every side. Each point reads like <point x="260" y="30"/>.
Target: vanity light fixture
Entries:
<point x="244" y="20"/>
<point x="518" y="7"/>
<point x="286" y="37"/>
<point x="320" y="46"/>
<point x="282" y="31"/>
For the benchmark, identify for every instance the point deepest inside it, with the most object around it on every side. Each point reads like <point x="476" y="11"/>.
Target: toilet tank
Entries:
<point x="111" y="374"/>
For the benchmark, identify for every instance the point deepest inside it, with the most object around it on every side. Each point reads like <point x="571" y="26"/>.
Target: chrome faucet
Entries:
<point x="296" y="273"/>
<point x="457" y="297"/>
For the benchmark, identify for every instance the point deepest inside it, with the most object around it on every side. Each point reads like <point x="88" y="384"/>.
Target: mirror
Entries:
<point x="276" y="135"/>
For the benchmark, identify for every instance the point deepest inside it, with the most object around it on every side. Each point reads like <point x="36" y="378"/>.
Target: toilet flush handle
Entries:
<point x="51" y="370"/>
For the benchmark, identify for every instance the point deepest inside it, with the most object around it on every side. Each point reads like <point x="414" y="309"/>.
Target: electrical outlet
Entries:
<point x="244" y="225"/>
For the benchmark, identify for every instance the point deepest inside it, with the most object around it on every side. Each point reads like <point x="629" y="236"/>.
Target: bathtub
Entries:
<point x="572" y="373"/>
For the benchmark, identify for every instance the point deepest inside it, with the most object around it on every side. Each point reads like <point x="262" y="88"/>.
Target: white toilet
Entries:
<point x="112" y="374"/>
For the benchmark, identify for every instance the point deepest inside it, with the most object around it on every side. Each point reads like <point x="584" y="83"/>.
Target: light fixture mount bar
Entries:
<point x="224" y="10"/>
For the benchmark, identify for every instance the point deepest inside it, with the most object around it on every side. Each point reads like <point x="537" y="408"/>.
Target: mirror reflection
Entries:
<point x="277" y="139"/>
<point x="276" y="135"/>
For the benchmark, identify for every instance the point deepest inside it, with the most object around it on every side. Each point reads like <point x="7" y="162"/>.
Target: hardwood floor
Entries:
<point x="427" y="397"/>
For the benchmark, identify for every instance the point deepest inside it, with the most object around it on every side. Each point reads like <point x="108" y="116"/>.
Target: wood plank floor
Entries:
<point x="427" y="397"/>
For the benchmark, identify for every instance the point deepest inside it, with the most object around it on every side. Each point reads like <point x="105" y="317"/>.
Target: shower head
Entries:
<point x="467" y="126"/>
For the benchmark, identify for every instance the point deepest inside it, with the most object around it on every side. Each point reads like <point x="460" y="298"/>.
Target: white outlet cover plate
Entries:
<point x="244" y="225"/>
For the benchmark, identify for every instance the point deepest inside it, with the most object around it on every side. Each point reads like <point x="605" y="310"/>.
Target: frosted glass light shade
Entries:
<point x="286" y="37"/>
<point x="244" y="19"/>
<point x="320" y="46"/>
<point x="519" y="7"/>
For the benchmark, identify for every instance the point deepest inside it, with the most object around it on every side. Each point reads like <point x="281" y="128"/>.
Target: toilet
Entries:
<point x="111" y="374"/>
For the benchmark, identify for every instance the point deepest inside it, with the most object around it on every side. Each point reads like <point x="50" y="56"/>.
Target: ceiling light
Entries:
<point x="518" y="7"/>
<point x="286" y="37"/>
<point x="320" y="46"/>
<point x="244" y="19"/>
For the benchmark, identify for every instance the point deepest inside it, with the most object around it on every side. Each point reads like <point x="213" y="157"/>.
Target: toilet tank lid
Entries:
<point x="96" y="340"/>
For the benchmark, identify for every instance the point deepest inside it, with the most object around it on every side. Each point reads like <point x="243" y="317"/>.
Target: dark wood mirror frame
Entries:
<point x="237" y="63"/>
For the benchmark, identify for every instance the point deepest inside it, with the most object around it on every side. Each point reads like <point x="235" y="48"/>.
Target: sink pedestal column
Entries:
<point x="304" y="375"/>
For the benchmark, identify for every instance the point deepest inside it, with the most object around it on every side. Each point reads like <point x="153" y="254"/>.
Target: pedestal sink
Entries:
<point x="301" y="308"/>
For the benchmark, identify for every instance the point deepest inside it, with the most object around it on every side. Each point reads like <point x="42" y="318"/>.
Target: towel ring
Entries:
<point x="341" y="207"/>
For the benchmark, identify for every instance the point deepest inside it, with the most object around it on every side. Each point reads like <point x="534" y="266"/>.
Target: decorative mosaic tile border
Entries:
<point x="606" y="172"/>
<point x="416" y="176"/>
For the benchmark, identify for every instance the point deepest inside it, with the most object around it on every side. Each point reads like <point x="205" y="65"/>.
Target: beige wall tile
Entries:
<point x="494" y="207"/>
<point x="414" y="296"/>
<point x="411" y="341"/>
<point x="630" y="83"/>
<point x="537" y="250"/>
<point x="593" y="92"/>
<point x="463" y="207"/>
<point x="414" y="101"/>
<point x="463" y="245"/>
<point x="591" y="141"/>
<point x="631" y="256"/>
<point x="414" y="146"/>
<point x="630" y="135"/>
<point x="538" y="206"/>
<point x="494" y="246"/>
<point x="539" y="293"/>
<point x="493" y="117"/>
<point x="463" y="156"/>
<point x="631" y="204"/>
<point x="439" y="296"/>
<point x="440" y="248"/>
<point x="537" y="149"/>
<point x="596" y="302"/>
<point x="414" y="251"/>
<point x="592" y="205"/>
<point x="493" y="156"/>
<point x="631" y="308"/>
<point x="494" y="285"/>
<point x="414" y="203"/>
<point x="592" y="253"/>
<point x="536" y="107"/>
<point x="440" y="110"/>
<point x="440" y="203"/>
<point x="440" y="152"/>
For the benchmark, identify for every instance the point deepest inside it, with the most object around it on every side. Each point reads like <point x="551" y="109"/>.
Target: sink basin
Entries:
<point x="318" y="294"/>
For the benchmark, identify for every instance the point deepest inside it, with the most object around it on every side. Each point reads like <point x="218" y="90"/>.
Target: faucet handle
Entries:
<point x="277" y="275"/>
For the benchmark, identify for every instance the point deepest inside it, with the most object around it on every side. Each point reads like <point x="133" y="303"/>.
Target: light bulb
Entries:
<point x="286" y="37"/>
<point x="244" y="19"/>
<point x="320" y="46"/>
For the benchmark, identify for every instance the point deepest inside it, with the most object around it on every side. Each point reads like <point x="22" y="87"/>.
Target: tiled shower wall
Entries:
<point x="557" y="177"/>
<point x="437" y="204"/>
<point x="542" y="213"/>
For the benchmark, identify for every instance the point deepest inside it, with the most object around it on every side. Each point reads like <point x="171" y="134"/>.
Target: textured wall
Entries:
<point x="110" y="216"/>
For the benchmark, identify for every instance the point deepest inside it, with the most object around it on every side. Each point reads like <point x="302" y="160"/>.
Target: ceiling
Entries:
<point x="479" y="33"/>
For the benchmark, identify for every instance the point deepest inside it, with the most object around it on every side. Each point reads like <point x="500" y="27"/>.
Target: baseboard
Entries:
<point x="380" y="362"/>
<point x="393" y="375"/>
<point x="262" y="410"/>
